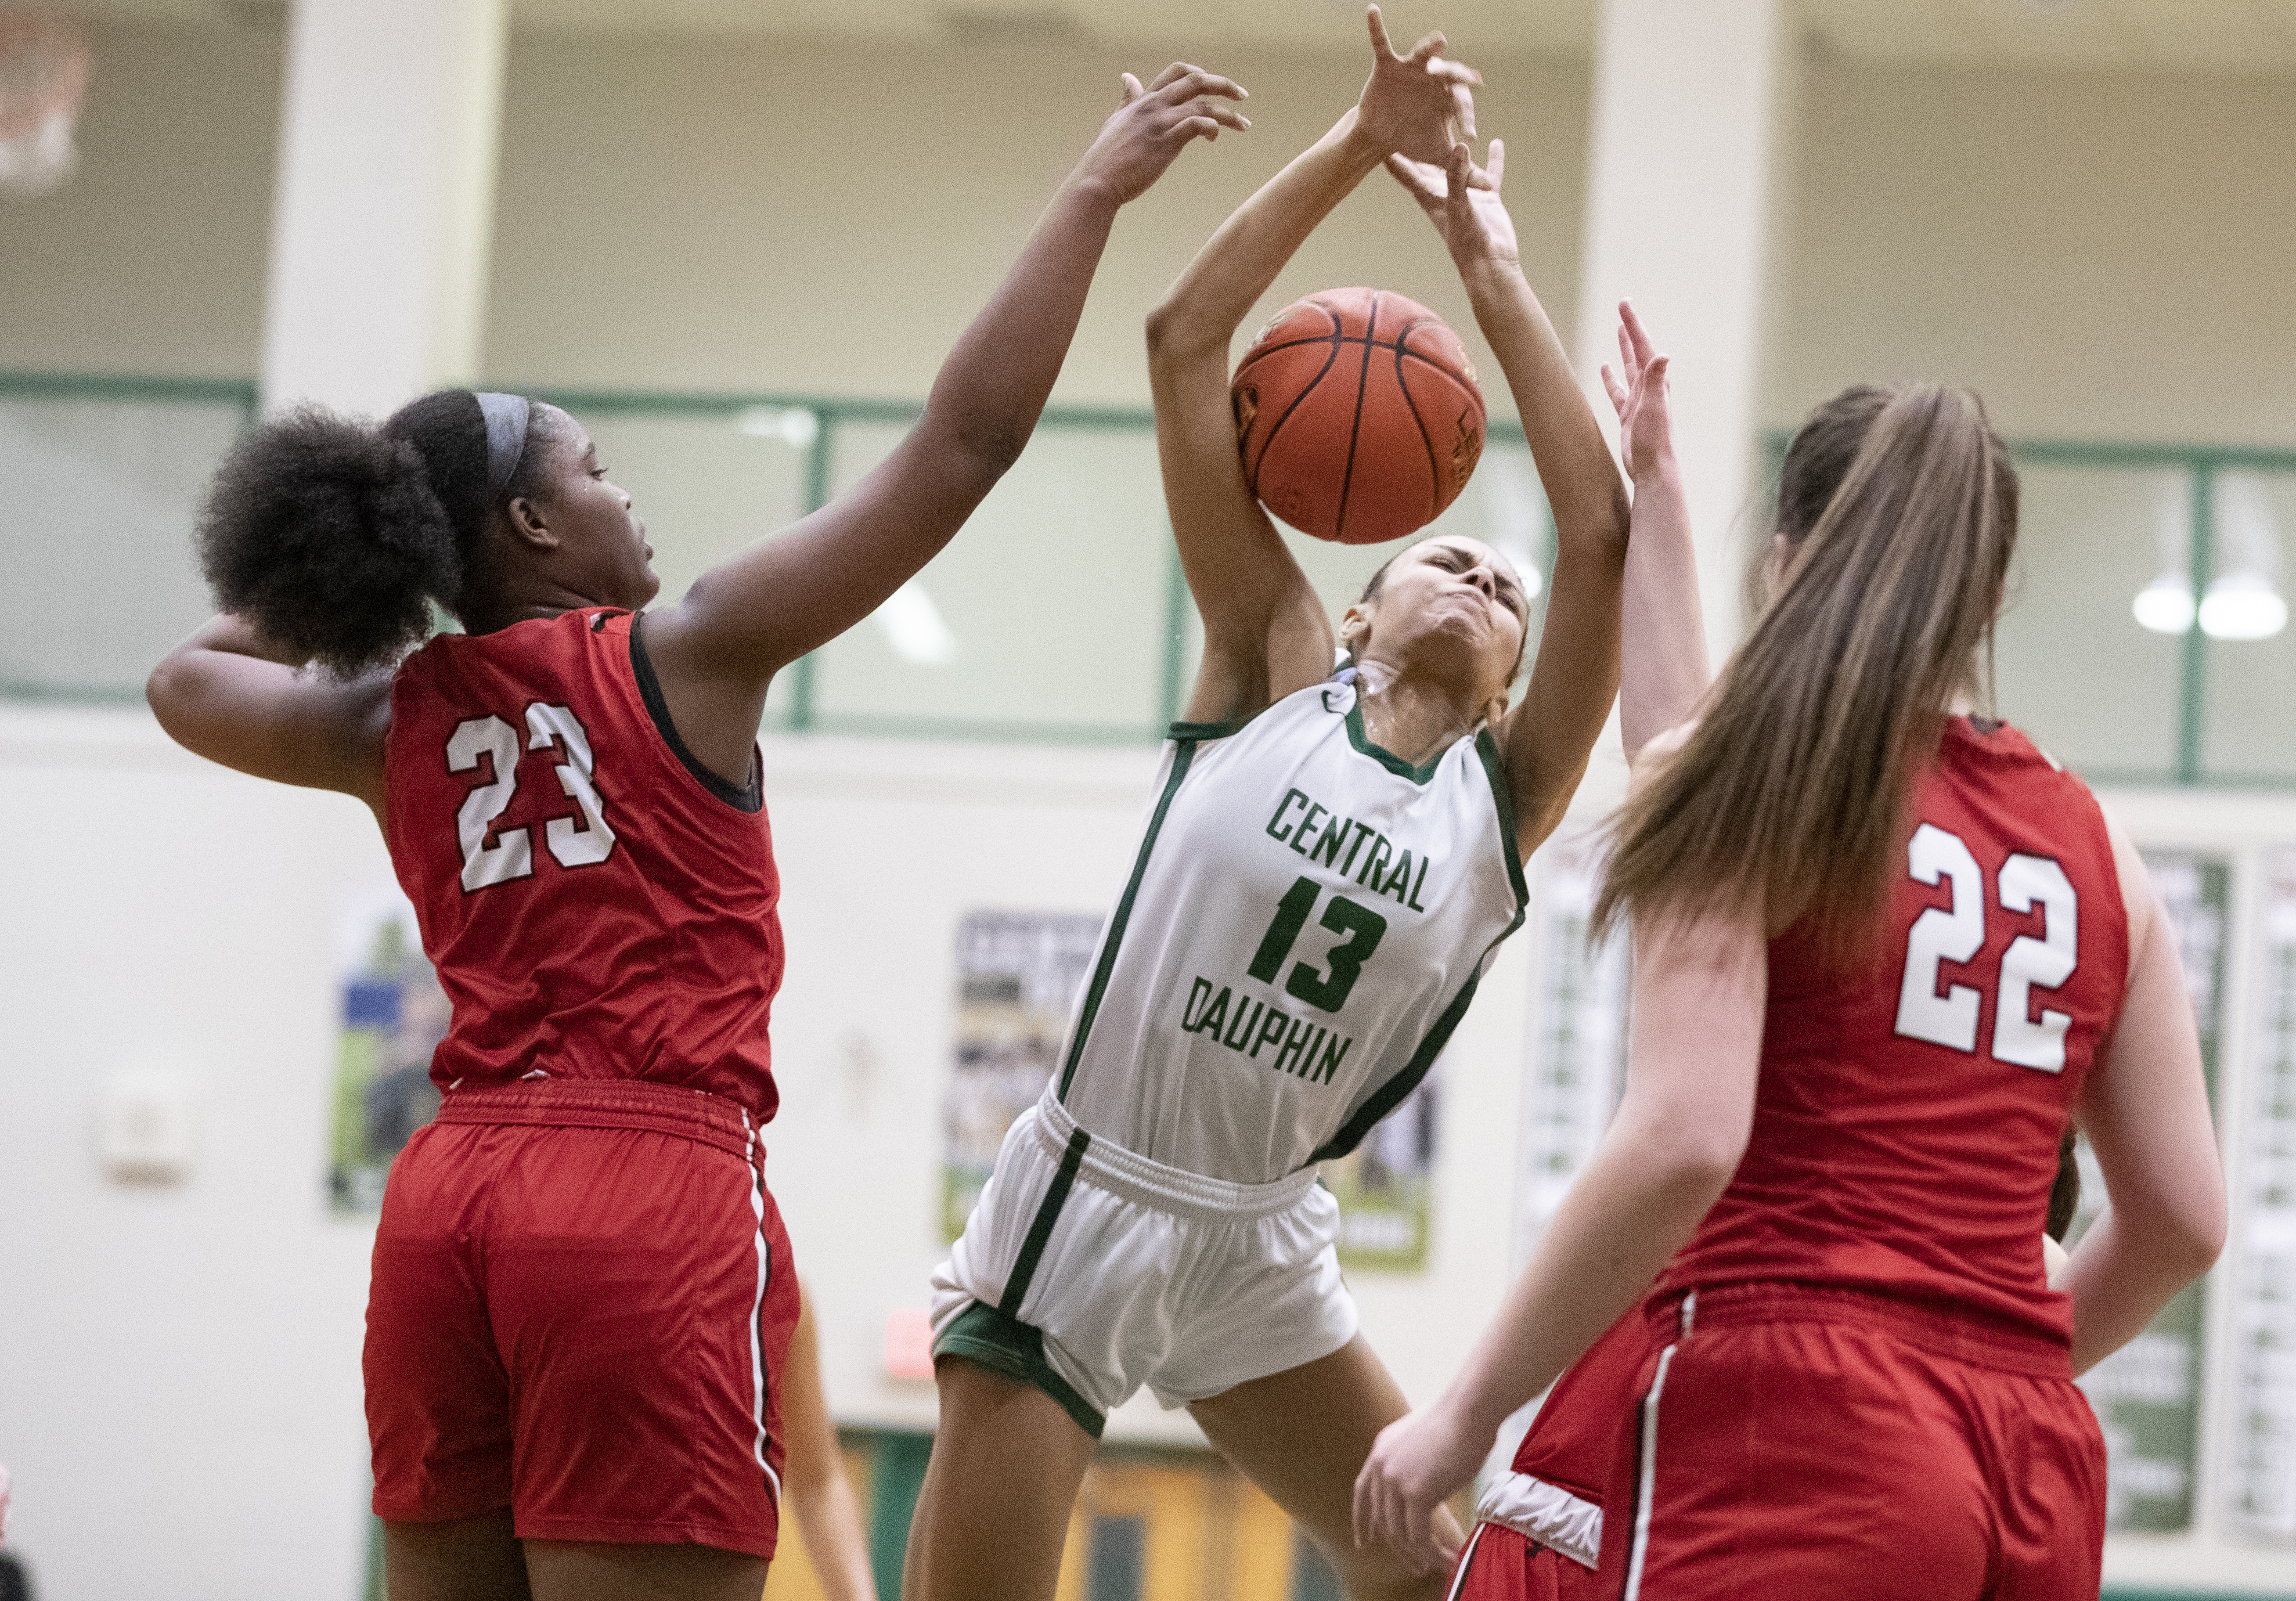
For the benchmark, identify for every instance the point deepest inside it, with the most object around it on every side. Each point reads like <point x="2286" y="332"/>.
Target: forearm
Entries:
<point x="1575" y="467"/>
<point x="1239" y="262"/>
<point x="993" y="386"/>
<point x="1662" y="634"/>
<point x="829" y="1519"/>
<point x="2120" y="1282"/>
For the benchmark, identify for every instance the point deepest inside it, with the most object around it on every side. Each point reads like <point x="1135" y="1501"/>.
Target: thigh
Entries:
<point x="1302" y="1435"/>
<point x="642" y="1298"/>
<point x="1793" y="1460"/>
<point x="565" y="1570"/>
<point x="437" y="1398"/>
<point x="993" y="1517"/>
<point x="463" y="1559"/>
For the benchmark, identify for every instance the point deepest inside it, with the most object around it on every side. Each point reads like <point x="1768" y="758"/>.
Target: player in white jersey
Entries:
<point x="1328" y="865"/>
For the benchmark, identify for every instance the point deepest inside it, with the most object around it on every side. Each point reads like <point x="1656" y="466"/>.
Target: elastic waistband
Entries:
<point x="1112" y="1168"/>
<point x="1547" y="1512"/>
<point x="1964" y="1335"/>
<point x="692" y="1114"/>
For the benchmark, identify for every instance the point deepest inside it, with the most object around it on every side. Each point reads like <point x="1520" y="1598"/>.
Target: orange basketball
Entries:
<point x="1357" y="415"/>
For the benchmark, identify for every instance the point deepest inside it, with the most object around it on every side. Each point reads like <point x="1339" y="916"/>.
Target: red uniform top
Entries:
<point x="1907" y="1116"/>
<point x="598" y="905"/>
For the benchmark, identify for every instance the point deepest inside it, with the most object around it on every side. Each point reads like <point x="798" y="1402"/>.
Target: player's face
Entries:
<point x="1454" y="602"/>
<point x="603" y="554"/>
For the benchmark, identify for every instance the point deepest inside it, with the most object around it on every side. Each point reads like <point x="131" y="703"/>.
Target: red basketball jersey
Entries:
<point x="597" y="904"/>
<point x="1906" y="1119"/>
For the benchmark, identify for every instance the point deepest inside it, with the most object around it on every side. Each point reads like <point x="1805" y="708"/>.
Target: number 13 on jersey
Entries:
<point x="1956" y="934"/>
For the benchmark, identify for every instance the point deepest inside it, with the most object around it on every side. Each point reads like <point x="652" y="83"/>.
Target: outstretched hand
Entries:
<point x="1421" y="103"/>
<point x="1154" y="124"/>
<point x="1416" y="1462"/>
<point x="1462" y="201"/>
<point x="1637" y="393"/>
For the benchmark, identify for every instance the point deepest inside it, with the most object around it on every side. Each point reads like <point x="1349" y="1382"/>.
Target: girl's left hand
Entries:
<point x="1414" y="1465"/>
<point x="1462" y="201"/>
<point x="1637" y="393"/>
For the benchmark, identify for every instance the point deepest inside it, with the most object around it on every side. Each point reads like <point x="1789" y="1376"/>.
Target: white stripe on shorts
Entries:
<point x="1647" y="1481"/>
<point x="757" y="1307"/>
<point x="1466" y="1561"/>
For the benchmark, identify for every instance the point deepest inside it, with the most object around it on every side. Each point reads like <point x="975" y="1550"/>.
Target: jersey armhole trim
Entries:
<point x="1510" y="837"/>
<point x="747" y="797"/>
<point x="1183" y="753"/>
<point x="1196" y="732"/>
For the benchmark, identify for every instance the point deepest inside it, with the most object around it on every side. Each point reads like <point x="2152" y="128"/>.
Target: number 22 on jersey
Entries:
<point x="510" y="854"/>
<point x="1956" y="934"/>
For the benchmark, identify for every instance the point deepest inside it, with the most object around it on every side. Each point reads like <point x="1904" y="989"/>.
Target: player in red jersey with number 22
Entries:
<point x="582" y="1293"/>
<point x="1884" y="951"/>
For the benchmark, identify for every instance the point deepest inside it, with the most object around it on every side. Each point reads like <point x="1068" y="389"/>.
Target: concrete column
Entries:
<point x="1690" y="97"/>
<point x="379" y="232"/>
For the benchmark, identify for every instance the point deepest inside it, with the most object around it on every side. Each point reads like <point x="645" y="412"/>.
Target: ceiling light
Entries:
<point x="795" y="426"/>
<point x="2165" y="605"/>
<point x="913" y="628"/>
<point x="2242" y="606"/>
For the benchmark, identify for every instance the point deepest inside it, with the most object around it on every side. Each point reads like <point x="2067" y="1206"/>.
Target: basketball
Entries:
<point x="1357" y="415"/>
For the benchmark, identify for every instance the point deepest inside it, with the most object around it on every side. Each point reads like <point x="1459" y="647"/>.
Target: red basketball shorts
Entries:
<point x="582" y="1300"/>
<point x="1813" y="1443"/>
<point x="1498" y="1564"/>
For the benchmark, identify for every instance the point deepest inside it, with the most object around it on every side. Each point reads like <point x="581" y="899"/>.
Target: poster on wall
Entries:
<point x="1018" y="978"/>
<point x="1577" y="1054"/>
<point x="2148" y="1394"/>
<point x="2261" y="1482"/>
<point x="394" y="1014"/>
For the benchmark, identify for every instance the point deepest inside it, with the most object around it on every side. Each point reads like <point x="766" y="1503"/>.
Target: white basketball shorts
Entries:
<point x="1088" y="1271"/>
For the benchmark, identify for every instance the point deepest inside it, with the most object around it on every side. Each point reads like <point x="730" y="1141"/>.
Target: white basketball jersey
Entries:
<point x="1306" y="920"/>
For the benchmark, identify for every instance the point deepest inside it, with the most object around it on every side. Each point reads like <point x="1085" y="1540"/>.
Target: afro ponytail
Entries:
<point x="334" y="536"/>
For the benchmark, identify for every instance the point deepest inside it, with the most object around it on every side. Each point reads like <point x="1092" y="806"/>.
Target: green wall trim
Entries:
<point x="897" y="1475"/>
<point x="129" y="386"/>
<point x="2121" y="1592"/>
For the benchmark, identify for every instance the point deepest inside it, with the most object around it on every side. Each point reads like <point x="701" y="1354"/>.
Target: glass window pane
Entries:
<point x="95" y="535"/>
<point x="2078" y="673"/>
<point x="706" y="484"/>
<point x="1045" y="617"/>
<point x="2248" y="731"/>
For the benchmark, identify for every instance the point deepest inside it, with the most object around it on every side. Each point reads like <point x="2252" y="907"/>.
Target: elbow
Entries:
<point x="169" y="690"/>
<point x="1177" y="331"/>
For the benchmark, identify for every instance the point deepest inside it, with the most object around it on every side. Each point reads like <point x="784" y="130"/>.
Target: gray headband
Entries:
<point x="506" y="418"/>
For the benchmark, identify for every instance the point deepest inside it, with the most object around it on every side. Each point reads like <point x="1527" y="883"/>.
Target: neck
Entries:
<point x="1410" y="716"/>
<point x="489" y="612"/>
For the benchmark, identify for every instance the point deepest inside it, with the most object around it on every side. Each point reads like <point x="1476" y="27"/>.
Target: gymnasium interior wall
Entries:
<point x="179" y="1390"/>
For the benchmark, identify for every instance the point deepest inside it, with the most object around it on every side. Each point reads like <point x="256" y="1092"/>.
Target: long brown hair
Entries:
<point x="1899" y="507"/>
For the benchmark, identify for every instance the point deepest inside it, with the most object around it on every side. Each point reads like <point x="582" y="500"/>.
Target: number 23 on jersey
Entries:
<point x="509" y="854"/>
<point x="1956" y="934"/>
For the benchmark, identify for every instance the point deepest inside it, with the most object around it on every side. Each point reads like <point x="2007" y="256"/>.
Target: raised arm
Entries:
<point x="1547" y="738"/>
<point x="2146" y="1111"/>
<point x="231" y="695"/>
<point x="716" y="649"/>
<point x="1662" y="634"/>
<point x="1265" y="632"/>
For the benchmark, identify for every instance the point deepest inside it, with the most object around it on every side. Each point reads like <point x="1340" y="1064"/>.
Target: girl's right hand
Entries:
<point x="1646" y="428"/>
<point x="1418" y="104"/>
<point x="1462" y="201"/>
<point x="1153" y="124"/>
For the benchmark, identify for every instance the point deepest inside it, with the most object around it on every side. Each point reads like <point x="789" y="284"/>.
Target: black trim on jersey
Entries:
<point x="1487" y="746"/>
<point x="1183" y="753"/>
<point x="1194" y="732"/>
<point x="751" y="797"/>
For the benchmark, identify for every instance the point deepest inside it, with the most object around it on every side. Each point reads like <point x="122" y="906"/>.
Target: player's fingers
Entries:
<point x="1171" y="75"/>
<point x="1197" y="81"/>
<point x="1132" y="89"/>
<point x="1378" y="31"/>
<point x="1632" y="322"/>
<point x="1462" y="109"/>
<point x="1457" y="72"/>
<point x="1628" y="364"/>
<point x="1654" y="375"/>
<point x="1194" y="127"/>
<point x="1219" y="111"/>
<point x="1428" y="48"/>
<point x="1495" y="162"/>
<point x="1416" y="176"/>
<point x="1616" y="390"/>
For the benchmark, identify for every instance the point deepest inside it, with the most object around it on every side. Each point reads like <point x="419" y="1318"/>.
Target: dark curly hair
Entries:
<point x="334" y="536"/>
